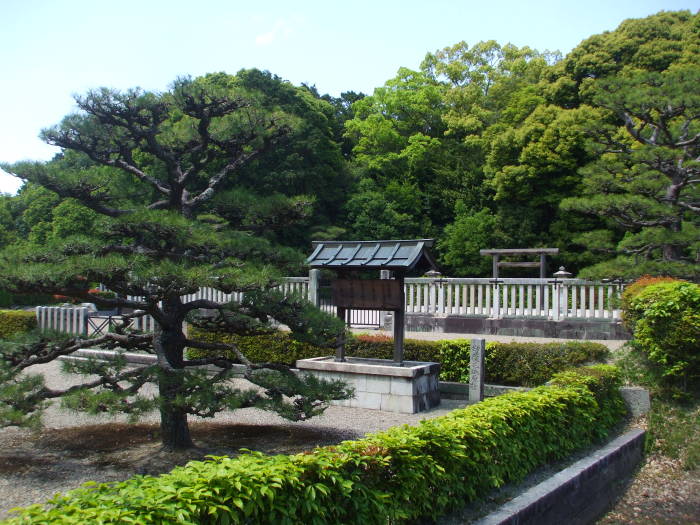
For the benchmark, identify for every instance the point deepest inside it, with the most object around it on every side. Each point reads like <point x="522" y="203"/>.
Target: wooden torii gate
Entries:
<point x="542" y="263"/>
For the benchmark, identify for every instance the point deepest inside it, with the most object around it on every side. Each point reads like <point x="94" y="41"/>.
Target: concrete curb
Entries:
<point x="137" y="359"/>
<point x="578" y="494"/>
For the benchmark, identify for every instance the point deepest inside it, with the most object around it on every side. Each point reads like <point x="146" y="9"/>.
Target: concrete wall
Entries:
<point x="565" y="329"/>
<point x="579" y="494"/>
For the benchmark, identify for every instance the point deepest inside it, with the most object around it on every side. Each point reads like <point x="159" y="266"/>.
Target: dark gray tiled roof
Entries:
<point x="389" y="255"/>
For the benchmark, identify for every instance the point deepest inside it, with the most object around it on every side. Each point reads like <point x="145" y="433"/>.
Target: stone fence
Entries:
<point x="429" y="301"/>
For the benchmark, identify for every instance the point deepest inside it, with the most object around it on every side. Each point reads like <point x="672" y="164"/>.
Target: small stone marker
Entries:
<point x="476" y="370"/>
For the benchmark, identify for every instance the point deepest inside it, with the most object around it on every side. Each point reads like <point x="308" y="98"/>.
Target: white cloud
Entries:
<point x="280" y="31"/>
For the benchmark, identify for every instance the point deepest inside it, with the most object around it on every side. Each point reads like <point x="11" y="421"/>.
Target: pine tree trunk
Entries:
<point x="175" y="432"/>
<point x="169" y="344"/>
<point x="673" y="252"/>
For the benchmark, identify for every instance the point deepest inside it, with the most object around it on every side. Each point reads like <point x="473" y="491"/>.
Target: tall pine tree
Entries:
<point x="150" y="165"/>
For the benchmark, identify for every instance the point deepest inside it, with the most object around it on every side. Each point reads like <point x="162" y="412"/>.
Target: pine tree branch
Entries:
<point x="82" y="192"/>
<point x="129" y="166"/>
<point x="45" y="351"/>
<point x="221" y="362"/>
<point x="217" y="179"/>
<point x="139" y="376"/>
<point x="218" y="346"/>
<point x="202" y="303"/>
<point x="236" y="148"/>
<point x="689" y="206"/>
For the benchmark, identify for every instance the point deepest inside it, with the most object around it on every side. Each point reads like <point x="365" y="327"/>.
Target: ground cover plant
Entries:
<point x="666" y="488"/>
<point x="398" y="475"/>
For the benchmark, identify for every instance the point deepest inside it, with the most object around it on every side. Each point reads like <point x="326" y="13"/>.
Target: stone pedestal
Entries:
<point x="379" y="384"/>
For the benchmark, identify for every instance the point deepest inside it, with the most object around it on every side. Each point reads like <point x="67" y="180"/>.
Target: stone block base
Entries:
<point x="379" y="384"/>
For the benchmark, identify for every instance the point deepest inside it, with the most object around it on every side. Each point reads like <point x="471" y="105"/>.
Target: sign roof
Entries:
<point x="381" y="255"/>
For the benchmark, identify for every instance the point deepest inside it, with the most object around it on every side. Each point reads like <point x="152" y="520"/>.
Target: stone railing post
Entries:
<point x="556" y="300"/>
<point x="314" y="285"/>
<point x="477" y="370"/>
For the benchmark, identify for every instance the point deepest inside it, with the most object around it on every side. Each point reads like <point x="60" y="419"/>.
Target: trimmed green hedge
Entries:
<point x="515" y="364"/>
<point x="532" y="364"/>
<point x="275" y="348"/>
<point x="8" y="299"/>
<point x="402" y="474"/>
<point x="16" y="322"/>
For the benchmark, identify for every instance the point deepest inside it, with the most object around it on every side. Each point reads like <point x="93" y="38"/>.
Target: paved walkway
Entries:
<point x="612" y="344"/>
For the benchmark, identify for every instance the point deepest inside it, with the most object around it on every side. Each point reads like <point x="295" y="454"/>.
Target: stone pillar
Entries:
<point x="476" y="370"/>
<point x="340" y="345"/>
<point x="543" y="276"/>
<point x="314" y="277"/>
<point x="384" y="274"/>
<point x="399" y="325"/>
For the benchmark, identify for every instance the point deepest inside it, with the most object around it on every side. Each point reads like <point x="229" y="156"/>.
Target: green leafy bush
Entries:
<point x="16" y="322"/>
<point x="402" y="474"/>
<point x="382" y="347"/>
<point x="517" y="364"/>
<point x="667" y="329"/>
<point x="532" y="364"/>
<point x="631" y="291"/>
<point x="5" y="299"/>
<point x="273" y="348"/>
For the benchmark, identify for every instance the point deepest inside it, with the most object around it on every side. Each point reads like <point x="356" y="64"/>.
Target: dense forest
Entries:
<point x="483" y="146"/>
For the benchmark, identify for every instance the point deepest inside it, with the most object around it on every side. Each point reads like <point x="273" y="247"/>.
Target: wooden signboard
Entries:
<point x="374" y="294"/>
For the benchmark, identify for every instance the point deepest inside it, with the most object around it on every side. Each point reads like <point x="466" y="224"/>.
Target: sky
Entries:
<point x="51" y="50"/>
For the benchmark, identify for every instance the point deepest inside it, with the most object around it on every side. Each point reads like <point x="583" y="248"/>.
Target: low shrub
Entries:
<point x="402" y="474"/>
<point x="16" y="322"/>
<point x="516" y="364"/>
<point x="632" y="290"/>
<point x="5" y="299"/>
<point x="382" y="347"/>
<point x="105" y="294"/>
<point x="532" y="364"/>
<point x="273" y="348"/>
<point x="667" y="330"/>
<point x="8" y="299"/>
